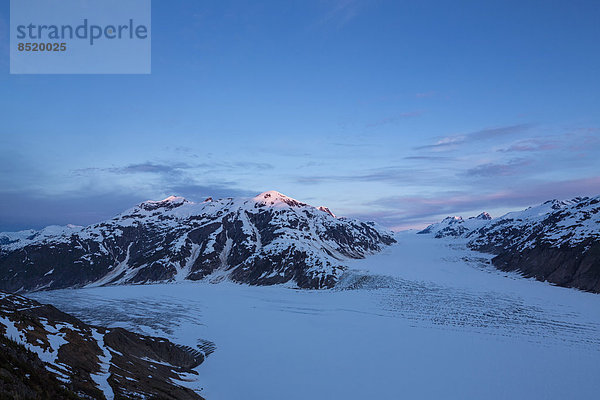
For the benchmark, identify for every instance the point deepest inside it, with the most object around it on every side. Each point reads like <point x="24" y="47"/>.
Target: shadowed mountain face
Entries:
<point x="557" y="241"/>
<point x="51" y="354"/>
<point x="265" y="240"/>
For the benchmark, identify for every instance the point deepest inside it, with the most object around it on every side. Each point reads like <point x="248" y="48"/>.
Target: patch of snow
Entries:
<point x="101" y="378"/>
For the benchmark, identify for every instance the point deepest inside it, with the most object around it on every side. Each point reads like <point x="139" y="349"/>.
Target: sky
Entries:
<point x="402" y="112"/>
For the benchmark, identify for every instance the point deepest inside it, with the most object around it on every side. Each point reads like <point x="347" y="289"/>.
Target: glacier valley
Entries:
<point x="424" y="318"/>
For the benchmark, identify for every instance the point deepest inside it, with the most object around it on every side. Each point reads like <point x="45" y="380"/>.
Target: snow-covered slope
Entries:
<point x="264" y="240"/>
<point x="557" y="241"/>
<point x="93" y="362"/>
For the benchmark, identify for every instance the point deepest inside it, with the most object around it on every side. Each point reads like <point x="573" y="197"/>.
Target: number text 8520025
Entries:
<point x="42" y="47"/>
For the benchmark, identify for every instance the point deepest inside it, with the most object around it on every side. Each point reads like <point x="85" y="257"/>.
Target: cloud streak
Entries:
<point x="531" y="145"/>
<point x="402" y="212"/>
<point x="149" y="167"/>
<point x="489" y="170"/>
<point x="450" y="142"/>
<point x="30" y="210"/>
<point x="394" y="175"/>
<point x="174" y="168"/>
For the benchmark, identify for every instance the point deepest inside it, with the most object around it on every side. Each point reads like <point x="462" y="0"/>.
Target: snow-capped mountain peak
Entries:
<point x="484" y="216"/>
<point x="268" y="239"/>
<point x="454" y="219"/>
<point x="274" y="198"/>
<point x="168" y="203"/>
<point x="326" y="210"/>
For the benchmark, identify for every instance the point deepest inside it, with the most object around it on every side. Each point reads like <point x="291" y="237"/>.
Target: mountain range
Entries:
<point x="274" y="239"/>
<point x="557" y="241"/>
<point x="265" y="240"/>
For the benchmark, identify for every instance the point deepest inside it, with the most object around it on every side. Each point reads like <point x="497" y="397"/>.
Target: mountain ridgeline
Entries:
<point x="557" y="241"/>
<point x="269" y="239"/>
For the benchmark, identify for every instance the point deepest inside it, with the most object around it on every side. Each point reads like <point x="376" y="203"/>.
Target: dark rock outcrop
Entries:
<point x="58" y="356"/>
<point x="568" y="266"/>
<point x="24" y="376"/>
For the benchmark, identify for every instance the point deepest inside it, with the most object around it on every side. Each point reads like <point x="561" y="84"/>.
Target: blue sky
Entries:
<point x="398" y="111"/>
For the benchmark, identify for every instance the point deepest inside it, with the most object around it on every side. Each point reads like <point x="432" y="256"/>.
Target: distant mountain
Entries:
<point x="557" y="241"/>
<point x="457" y="226"/>
<point x="46" y="353"/>
<point x="268" y="239"/>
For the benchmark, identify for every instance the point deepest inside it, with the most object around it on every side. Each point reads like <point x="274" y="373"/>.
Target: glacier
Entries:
<point x="425" y="318"/>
